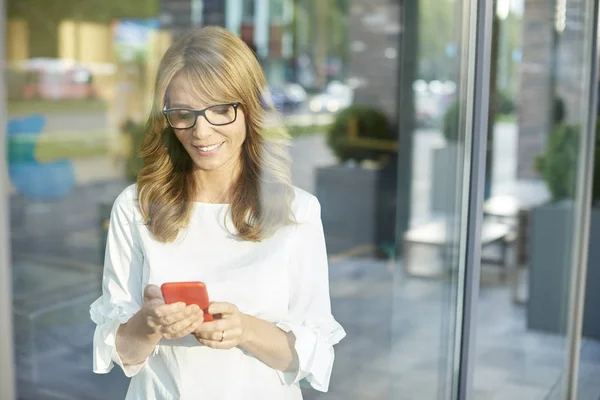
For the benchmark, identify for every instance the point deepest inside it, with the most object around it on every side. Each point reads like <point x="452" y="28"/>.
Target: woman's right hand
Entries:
<point x="169" y="321"/>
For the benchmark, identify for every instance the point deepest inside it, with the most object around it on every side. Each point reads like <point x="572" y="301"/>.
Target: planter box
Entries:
<point x="443" y="179"/>
<point x="591" y="315"/>
<point x="358" y="205"/>
<point x="446" y="183"/>
<point x="550" y="270"/>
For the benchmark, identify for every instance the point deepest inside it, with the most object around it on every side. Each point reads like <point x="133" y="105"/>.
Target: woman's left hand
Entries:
<point x="228" y="330"/>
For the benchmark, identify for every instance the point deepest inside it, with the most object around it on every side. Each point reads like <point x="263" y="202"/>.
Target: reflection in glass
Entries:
<point x="525" y="308"/>
<point x="78" y="79"/>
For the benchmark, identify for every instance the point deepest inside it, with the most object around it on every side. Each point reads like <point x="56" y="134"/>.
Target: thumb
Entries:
<point x="152" y="292"/>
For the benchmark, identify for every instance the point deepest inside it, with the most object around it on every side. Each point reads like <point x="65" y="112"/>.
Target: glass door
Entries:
<point x="496" y="133"/>
<point x="442" y="156"/>
<point x="538" y="334"/>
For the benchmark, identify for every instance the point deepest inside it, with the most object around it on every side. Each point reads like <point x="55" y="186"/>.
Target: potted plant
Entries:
<point x="551" y="236"/>
<point x="358" y="195"/>
<point x="591" y="315"/>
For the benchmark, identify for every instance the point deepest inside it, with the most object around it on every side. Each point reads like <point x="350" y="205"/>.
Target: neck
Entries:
<point x="215" y="186"/>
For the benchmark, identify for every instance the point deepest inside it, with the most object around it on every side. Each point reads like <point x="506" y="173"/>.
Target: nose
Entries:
<point x="203" y="128"/>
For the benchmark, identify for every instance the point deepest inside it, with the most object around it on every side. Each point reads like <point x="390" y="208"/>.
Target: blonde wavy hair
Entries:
<point x="226" y="71"/>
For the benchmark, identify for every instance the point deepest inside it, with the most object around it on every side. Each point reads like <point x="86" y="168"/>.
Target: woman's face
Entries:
<point x="210" y="147"/>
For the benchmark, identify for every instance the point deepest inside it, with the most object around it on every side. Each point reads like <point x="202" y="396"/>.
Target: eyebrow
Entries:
<point x="179" y="105"/>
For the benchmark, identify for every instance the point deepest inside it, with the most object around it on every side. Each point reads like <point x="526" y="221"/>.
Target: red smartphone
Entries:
<point x="188" y="293"/>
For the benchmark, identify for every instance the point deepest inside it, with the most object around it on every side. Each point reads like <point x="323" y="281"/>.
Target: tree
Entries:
<point x="437" y="32"/>
<point x="43" y="20"/>
<point x="320" y="28"/>
<point x="101" y="11"/>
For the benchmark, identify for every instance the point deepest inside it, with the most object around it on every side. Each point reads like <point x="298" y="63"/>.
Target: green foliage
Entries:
<point x="320" y="23"/>
<point x="44" y="16"/>
<point x="558" y="163"/>
<point x="504" y="103"/>
<point x="437" y="27"/>
<point x="370" y="123"/>
<point x="452" y="122"/>
<point x="103" y="11"/>
<point x="559" y="111"/>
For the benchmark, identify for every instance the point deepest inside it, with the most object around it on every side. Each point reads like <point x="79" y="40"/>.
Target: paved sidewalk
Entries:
<point x="396" y="345"/>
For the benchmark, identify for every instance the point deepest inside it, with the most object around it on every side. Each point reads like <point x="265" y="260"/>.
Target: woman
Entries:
<point x="214" y="203"/>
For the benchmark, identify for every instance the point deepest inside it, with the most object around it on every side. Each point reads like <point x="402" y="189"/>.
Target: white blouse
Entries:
<point x="283" y="279"/>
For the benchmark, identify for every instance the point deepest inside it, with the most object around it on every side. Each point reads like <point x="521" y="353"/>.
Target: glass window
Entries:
<point x="276" y="9"/>
<point x="383" y="103"/>
<point x="248" y="9"/>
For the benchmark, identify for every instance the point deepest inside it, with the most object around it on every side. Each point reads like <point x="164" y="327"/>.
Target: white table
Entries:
<point x="444" y="238"/>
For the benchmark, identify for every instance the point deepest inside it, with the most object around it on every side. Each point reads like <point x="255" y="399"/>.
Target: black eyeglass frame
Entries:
<point x="202" y="112"/>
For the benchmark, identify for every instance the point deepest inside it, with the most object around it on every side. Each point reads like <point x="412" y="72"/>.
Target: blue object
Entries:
<point x="23" y="136"/>
<point x="35" y="181"/>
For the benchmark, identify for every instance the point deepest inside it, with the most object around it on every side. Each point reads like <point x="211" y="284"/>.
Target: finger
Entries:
<point x="217" y="325"/>
<point x="183" y="327"/>
<point x="214" y="336"/>
<point x="192" y="311"/>
<point x="152" y="292"/>
<point x="224" y="345"/>
<point x="178" y="330"/>
<point x="152" y="325"/>
<point x="153" y="303"/>
<point x="164" y="310"/>
<point x="197" y="325"/>
<point x="222" y="308"/>
<point x="229" y="333"/>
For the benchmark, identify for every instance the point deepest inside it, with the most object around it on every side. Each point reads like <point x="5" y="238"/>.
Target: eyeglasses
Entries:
<point x="218" y="115"/>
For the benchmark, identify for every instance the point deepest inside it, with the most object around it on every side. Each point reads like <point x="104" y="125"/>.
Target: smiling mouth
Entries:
<point x="209" y="148"/>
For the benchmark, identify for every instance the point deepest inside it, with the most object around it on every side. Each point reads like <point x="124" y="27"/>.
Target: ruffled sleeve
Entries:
<point x="309" y="315"/>
<point x="121" y="286"/>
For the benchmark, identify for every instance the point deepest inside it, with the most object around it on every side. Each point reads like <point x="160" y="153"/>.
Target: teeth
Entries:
<point x="208" y="148"/>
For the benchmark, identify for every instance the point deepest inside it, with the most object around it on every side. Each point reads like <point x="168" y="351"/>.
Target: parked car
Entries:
<point x="432" y="100"/>
<point x="288" y="96"/>
<point x="334" y="98"/>
<point x="55" y="79"/>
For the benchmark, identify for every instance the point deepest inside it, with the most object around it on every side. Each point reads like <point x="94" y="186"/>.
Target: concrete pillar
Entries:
<point x="17" y="40"/>
<point x="322" y="41"/>
<point x="374" y="32"/>
<point x="233" y="15"/>
<point x="160" y="41"/>
<point x="67" y="42"/>
<point x="287" y="50"/>
<point x="536" y="93"/>
<point x="99" y="35"/>
<point x="261" y="27"/>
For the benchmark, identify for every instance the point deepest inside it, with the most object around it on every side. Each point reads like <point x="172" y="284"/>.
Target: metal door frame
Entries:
<point x="477" y="25"/>
<point x="582" y="203"/>
<point x="7" y="365"/>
